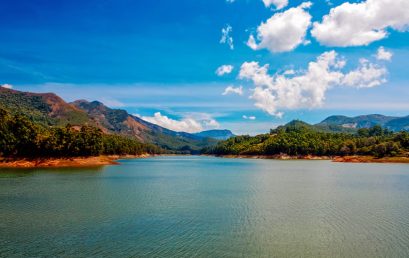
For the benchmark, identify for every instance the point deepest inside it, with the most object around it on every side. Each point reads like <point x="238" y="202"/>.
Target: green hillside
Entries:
<point x="47" y="110"/>
<point x="299" y="138"/>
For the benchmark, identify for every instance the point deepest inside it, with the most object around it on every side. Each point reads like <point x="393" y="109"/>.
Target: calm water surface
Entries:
<point x="207" y="207"/>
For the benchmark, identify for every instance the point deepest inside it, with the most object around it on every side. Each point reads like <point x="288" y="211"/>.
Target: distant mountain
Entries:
<point x="398" y="124"/>
<point x="121" y="122"/>
<point x="366" y="121"/>
<point x="48" y="109"/>
<point x="216" y="134"/>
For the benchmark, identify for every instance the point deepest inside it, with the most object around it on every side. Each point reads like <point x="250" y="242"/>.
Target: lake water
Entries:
<point x="207" y="207"/>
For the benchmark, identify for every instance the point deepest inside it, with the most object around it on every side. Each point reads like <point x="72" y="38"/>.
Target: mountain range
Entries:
<point x="365" y="121"/>
<point x="48" y="109"/>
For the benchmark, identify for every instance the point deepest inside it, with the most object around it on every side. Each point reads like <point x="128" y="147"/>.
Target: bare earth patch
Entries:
<point x="65" y="162"/>
<point x="370" y="159"/>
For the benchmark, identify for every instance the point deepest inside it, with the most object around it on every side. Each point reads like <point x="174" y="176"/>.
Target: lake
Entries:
<point x="190" y="206"/>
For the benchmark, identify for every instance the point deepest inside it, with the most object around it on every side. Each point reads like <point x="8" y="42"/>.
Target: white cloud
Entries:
<point x="307" y="89"/>
<point x="329" y="3"/>
<point x="224" y="69"/>
<point x="231" y="89"/>
<point x="383" y="54"/>
<point x="212" y="123"/>
<point x="230" y="1"/>
<point x="358" y="24"/>
<point x="188" y="124"/>
<point x="279" y="4"/>
<point x="289" y="72"/>
<point x="283" y="31"/>
<point x="226" y="36"/>
<point x="367" y="75"/>
<point x="7" y="86"/>
<point x="249" y="117"/>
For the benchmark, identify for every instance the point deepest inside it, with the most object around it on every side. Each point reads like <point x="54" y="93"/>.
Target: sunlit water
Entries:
<point x="207" y="207"/>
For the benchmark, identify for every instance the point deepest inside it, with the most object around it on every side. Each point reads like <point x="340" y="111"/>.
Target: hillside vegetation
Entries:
<point x="22" y="138"/>
<point x="47" y="110"/>
<point x="297" y="138"/>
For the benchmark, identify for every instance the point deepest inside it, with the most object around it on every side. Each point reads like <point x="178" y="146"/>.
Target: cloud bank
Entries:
<point x="307" y="89"/>
<point x="189" y="124"/>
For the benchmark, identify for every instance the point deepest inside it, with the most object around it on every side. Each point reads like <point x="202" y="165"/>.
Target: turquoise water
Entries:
<point x="207" y="207"/>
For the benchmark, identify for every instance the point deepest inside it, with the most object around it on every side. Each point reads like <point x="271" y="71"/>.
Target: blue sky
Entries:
<point x="161" y="56"/>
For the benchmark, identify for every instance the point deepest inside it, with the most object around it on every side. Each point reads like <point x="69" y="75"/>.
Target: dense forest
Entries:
<point x="295" y="139"/>
<point x="20" y="137"/>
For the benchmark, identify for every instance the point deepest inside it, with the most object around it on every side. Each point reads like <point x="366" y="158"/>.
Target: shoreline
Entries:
<point x="277" y="157"/>
<point x="371" y="159"/>
<point x="75" y="162"/>
<point x="78" y="162"/>
<point x="340" y="159"/>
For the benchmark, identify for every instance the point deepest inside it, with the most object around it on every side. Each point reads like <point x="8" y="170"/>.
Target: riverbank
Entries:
<point x="112" y="160"/>
<point x="66" y="162"/>
<point x="345" y="159"/>
<point x="370" y="159"/>
<point x="278" y="156"/>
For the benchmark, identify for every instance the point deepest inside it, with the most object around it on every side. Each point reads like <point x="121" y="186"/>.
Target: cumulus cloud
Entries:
<point x="307" y="88"/>
<point x="224" y="69"/>
<point x="279" y="4"/>
<point x="190" y="124"/>
<point x="383" y="54"/>
<point x="7" y="86"/>
<point x="226" y="36"/>
<point x="367" y="75"/>
<point x="358" y="24"/>
<point x="249" y="117"/>
<point x="283" y="31"/>
<point x="289" y="72"/>
<point x="233" y="90"/>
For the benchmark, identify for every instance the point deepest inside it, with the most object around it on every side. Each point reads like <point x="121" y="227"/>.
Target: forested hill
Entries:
<point x="48" y="110"/>
<point x="298" y="139"/>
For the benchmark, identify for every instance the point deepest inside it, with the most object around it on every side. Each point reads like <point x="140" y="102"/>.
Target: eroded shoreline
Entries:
<point x="67" y="162"/>
<point x="113" y="160"/>
<point x="342" y="159"/>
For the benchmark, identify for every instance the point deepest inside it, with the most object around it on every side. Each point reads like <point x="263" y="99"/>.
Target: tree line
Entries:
<point x="20" y="137"/>
<point x="300" y="140"/>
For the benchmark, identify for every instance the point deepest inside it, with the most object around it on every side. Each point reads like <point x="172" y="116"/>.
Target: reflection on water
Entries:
<point x="207" y="207"/>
